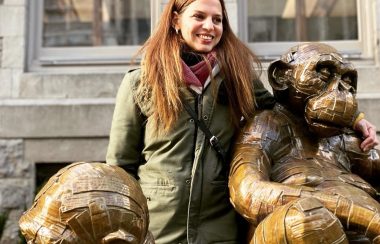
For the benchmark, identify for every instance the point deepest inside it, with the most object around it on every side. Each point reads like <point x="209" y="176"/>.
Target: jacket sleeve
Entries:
<point x="264" y="99"/>
<point x="127" y="128"/>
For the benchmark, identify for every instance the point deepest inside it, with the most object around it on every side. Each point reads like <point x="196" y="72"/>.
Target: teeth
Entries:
<point x="205" y="37"/>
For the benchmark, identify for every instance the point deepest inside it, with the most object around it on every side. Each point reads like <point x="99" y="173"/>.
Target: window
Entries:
<point x="78" y="33"/>
<point x="271" y="26"/>
<point x="75" y="32"/>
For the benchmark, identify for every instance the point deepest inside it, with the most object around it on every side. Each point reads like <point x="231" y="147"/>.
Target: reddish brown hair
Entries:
<point x="162" y="70"/>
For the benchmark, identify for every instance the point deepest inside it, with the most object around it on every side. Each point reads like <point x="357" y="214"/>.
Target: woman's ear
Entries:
<point x="278" y="76"/>
<point x="175" y="20"/>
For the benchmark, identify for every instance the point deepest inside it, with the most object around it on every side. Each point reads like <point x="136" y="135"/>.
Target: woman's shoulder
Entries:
<point x="135" y="71"/>
<point x="132" y="77"/>
<point x="141" y="95"/>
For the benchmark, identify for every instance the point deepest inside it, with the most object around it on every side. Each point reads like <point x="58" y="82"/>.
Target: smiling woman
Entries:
<point x="200" y="25"/>
<point x="192" y="60"/>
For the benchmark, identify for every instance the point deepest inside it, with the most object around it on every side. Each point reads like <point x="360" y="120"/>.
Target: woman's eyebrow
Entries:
<point x="202" y="12"/>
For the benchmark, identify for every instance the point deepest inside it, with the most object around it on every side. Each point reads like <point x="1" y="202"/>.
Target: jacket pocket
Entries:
<point x="159" y="198"/>
<point x="157" y="190"/>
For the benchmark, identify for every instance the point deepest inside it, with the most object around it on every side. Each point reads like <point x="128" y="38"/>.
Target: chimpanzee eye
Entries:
<point x="346" y="79"/>
<point x="349" y="78"/>
<point x="325" y="73"/>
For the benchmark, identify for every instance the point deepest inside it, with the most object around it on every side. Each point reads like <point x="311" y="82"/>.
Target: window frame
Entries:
<point x="361" y="49"/>
<point x="95" y="58"/>
<point x="41" y="58"/>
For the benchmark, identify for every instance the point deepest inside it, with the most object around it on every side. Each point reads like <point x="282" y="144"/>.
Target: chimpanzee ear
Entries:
<point x="277" y="75"/>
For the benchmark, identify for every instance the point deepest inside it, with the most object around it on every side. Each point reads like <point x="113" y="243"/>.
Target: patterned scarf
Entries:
<point x="198" y="73"/>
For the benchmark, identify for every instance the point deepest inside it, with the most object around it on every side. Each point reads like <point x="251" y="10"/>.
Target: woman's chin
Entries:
<point x="202" y="49"/>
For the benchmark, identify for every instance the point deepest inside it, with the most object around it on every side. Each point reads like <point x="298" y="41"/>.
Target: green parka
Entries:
<point x="181" y="175"/>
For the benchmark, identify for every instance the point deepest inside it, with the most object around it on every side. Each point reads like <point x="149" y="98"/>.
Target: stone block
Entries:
<point x="12" y="20"/>
<point x="13" y="52"/>
<point x="5" y="83"/>
<point x="11" y="228"/>
<point x="12" y="159"/>
<point x="368" y="80"/>
<point x="55" y="118"/>
<point x="15" y="193"/>
<point x="16" y="75"/>
<point x="370" y="105"/>
<point x="14" y="2"/>
<point x="65" y="150"/>
<point x="91" y="85"/>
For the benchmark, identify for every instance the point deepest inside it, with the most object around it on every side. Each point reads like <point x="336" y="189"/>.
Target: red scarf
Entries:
<point x="197" y="74"/>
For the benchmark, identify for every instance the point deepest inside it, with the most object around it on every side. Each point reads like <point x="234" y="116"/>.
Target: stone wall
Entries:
<point x="62" y="117"/>
<point x="16" y="174"/>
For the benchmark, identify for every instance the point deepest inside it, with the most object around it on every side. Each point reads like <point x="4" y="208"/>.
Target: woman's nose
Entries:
<point x="208" y="24"/>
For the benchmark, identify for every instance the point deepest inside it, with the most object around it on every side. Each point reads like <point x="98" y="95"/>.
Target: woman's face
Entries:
<point x="200" y="24"/>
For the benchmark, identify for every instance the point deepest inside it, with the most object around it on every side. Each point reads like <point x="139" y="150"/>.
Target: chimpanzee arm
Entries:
<point x="255" y="196"/>
<point x="365" y="164"/>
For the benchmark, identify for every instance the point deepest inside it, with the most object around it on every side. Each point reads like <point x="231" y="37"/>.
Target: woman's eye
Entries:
<point x="198" y="16"/>
<point x="217" y="20"/>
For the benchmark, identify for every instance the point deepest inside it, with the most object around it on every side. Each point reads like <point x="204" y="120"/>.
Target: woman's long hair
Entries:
<point x="162" y="69"/>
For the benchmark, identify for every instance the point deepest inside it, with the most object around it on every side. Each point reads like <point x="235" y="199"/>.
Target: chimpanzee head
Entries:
<point x="88" y="203"/>
<point x="313" y="80"/>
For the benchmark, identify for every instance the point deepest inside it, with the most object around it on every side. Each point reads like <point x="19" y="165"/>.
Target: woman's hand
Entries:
<point x="368" y="131"/>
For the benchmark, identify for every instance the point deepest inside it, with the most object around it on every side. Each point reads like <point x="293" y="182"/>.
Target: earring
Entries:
<point x="176" y="30"/>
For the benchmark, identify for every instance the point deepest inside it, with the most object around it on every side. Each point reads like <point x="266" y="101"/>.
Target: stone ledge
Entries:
<point x="80" y="85"/>
<point x="55" y="118"/>
<point x="104" y="84"/>
<point x="65" y="150"/>
<point x="78" y="118"/>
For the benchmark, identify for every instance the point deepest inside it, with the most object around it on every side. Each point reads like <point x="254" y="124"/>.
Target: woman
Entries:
<point x="193" y="58"/>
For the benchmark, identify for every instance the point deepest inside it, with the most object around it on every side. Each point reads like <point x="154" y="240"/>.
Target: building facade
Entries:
<point x="61" y="62"/>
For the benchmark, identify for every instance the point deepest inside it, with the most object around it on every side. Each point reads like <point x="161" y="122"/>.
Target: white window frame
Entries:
<point x="42" y="58"/>
<point x="361" y="49"/>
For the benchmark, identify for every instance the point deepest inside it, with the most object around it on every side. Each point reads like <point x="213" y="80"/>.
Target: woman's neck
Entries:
<point x="191" y="58"/>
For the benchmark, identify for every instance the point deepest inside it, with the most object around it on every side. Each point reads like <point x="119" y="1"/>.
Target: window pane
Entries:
<point x="302" y="20"/>
<point x="70" y="23"/>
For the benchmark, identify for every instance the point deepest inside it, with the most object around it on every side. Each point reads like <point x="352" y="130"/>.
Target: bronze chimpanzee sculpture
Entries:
<point x="295" y="169"/>
<point x="88" y="203"/>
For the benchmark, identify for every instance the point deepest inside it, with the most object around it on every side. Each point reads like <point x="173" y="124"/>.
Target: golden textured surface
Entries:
<point x="315" y="78"/>
<point x="297" y="172"/>
<point x="88" y="203"/>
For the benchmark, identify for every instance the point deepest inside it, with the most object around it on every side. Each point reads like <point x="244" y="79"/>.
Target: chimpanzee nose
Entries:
<point x="338" y="84"/>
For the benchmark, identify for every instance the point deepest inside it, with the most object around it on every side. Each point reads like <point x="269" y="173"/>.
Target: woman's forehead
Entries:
<point x="204" y="5"/>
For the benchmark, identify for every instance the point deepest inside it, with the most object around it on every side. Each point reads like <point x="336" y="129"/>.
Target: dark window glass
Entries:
<point x="69" y="23"/>
<point x="302" y="20"/>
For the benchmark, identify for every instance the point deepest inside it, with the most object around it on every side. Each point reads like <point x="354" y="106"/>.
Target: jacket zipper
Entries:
<point x="198" y="111"/>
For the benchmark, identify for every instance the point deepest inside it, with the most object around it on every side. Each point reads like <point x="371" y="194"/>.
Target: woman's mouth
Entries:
<point x="205" y="37"/>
